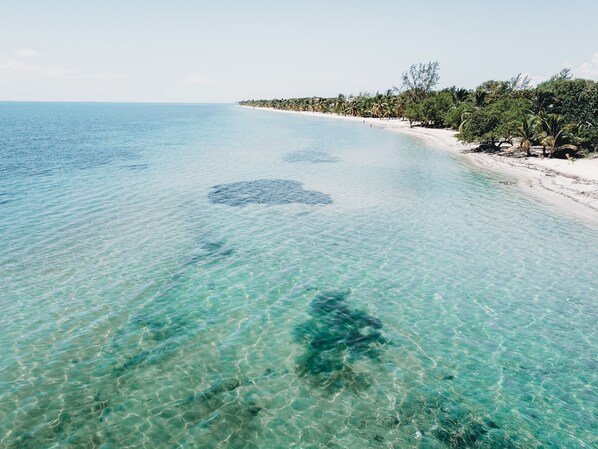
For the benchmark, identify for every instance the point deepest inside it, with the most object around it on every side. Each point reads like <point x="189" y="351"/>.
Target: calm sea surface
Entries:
<point x="201" y="276"/>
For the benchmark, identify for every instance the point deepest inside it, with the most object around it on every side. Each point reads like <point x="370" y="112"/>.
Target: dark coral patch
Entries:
<point x="266" y="191"/>
<point x="311" y="156"/>
<point x="335" y="337"/>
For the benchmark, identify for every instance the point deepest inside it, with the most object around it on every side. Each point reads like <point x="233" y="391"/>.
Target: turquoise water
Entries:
<point x="341" y="287"/>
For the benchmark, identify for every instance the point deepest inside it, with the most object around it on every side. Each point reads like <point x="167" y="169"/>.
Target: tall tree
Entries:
<point x="420" y="79"/>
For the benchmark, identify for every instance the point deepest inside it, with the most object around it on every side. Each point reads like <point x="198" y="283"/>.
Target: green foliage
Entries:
<point x="495" y="123"/>
<point x="496" y="112"/>
<point x="577" y="102"/>
<point x="454" y="117"/>
<point x="528" y="133"/>
<point x="413" y="112"/>
<point x="555" y="134"/>
<point x="434" y="107"/>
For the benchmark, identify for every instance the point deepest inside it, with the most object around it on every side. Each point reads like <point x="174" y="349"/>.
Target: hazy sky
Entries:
<point x="224" y="51"/>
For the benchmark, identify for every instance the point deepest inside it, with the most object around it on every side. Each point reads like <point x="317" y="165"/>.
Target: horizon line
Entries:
<point x="120" y="102"/>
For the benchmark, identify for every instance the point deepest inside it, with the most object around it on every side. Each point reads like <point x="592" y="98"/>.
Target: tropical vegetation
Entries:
<point x="558" y="116"/>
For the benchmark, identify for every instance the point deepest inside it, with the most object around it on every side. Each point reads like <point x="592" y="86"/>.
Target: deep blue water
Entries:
<point x="214" y="276"/>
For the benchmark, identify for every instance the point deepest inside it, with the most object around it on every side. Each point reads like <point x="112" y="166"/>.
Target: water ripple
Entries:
<point x="426" y="306"/>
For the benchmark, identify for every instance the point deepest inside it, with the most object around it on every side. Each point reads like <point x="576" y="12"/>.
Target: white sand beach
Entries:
<point x="569" y="187"/>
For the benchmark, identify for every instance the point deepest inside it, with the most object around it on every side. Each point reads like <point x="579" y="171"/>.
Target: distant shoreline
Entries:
<point x="570" y="188"/>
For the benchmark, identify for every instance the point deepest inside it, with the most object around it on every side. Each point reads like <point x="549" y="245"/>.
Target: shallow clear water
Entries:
<point x="426" y="305"/>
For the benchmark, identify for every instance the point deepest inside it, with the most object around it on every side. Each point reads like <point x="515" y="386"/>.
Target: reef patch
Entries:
<point x="266" y="191"/>
<point x="335" y="337"/>
<point x="311" y="157"/>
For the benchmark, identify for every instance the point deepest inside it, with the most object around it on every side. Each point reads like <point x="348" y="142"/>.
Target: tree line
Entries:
<point x="558" y="116"/>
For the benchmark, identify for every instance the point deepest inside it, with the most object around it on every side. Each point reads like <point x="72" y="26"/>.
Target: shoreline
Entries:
<point x="569" y="188"/>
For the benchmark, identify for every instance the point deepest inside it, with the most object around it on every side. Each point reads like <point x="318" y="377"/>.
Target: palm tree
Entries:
<point x="528" y="133"/>
<point x="379" y="106"/>
<point x="459" y="95"/>
<point x="340" y="104"/>
<point x="555" y="134"/>
<point x="480" y="97"/>
<point x="363" y="105"/>
<point x="388" y="110"/>
<point x="464" y="119"/>
<point x="351" y="107"/>
<point x="542" y="102"/>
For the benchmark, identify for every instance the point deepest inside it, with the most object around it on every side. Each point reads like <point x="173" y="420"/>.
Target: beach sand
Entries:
<point x="568" y="187"/>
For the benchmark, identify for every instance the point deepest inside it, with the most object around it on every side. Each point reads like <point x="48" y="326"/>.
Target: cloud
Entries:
<point x="19" y="66"/>
<point x="587" y="70"/>
<point x="33" y="69"/>
<point x="194" y="80"/>
<point x="26" y="53"/>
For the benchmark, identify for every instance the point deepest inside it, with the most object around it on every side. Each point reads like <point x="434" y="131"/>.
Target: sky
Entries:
<point x="224" y="51"/>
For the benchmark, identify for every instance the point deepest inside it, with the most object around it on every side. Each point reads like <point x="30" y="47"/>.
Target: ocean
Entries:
<point x="183" y="276"/>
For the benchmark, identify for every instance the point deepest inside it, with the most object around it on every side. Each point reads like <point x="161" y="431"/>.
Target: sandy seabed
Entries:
<point x="569" y="187"/>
